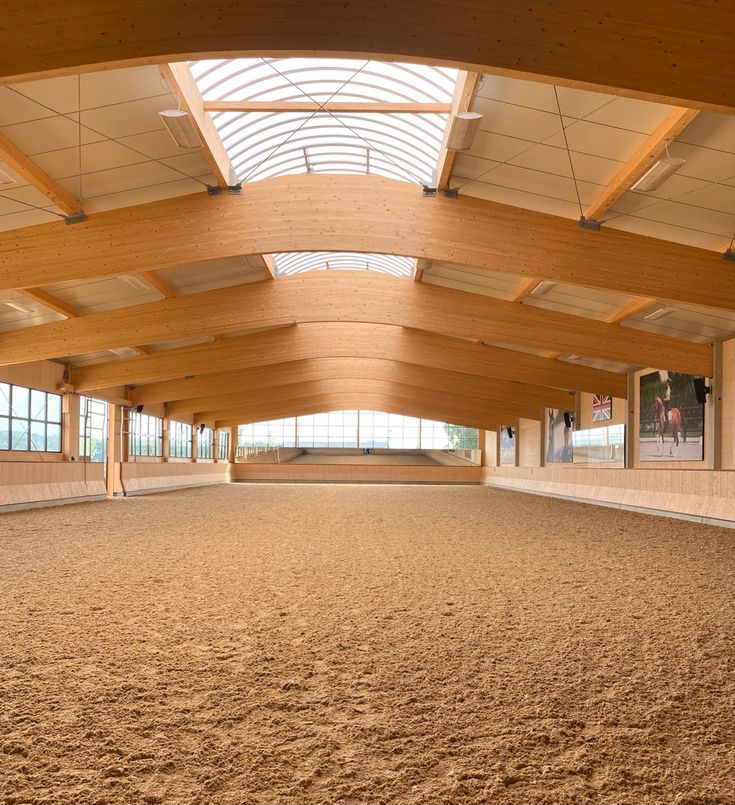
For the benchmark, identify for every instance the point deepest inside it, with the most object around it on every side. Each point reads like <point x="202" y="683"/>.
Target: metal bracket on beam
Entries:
<point x="75" y="218"/>
<point x="215" y="190"/>
<point x="427" y="191"/>
<point x="589" y="223"/>
<point x="729" y="254"/>
<point x="451" y="192"/>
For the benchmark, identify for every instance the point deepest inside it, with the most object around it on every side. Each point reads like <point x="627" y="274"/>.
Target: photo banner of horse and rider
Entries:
<point x="671" y="419"/>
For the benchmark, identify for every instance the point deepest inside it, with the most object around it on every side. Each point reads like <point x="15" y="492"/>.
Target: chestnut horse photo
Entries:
<point x="676" y="425"/>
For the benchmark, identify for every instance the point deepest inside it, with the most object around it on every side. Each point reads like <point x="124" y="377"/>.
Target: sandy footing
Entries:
<point x="257" y="643"/>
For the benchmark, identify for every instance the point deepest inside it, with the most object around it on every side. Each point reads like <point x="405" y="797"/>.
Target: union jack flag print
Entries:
<point x="601" y="407"/>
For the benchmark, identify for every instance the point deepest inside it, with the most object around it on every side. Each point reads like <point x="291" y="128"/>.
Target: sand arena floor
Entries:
<point x="364" y="644"/>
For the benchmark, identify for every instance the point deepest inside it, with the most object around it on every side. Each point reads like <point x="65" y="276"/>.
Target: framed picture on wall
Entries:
<point x="671" y="420"/>
<point x="601" y="407"/>
<point x="559" y="449"/>
<point x="507" y="445"/>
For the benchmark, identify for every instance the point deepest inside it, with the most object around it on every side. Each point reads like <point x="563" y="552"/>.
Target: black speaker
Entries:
<point x="701" y="389"/>
<point x="139" y="409"/>
<point x="568" y="419"/>
<point x="201" y="428"/>
<point x="511" y="433"/>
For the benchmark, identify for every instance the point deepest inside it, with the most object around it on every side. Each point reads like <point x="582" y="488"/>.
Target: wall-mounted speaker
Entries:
<point x="568" y="419"/>
<point x="201" y="428"/>
<point x="701" y="389"/>
<point x="139" y="409"/>
<point x="511" y="433"/>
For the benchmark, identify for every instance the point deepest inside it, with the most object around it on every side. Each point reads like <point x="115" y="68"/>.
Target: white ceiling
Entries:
<point x="551" y="149"/>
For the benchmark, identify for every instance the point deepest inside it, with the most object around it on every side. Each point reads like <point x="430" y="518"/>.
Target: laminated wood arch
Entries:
<point x="364" y="214"/>
<point x="346" y="296"/>
<point x="652" y="50"/>
<point x="354" y="341"/>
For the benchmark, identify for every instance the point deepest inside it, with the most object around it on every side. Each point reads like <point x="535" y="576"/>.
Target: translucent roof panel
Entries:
<point x="262" y="144"/>
<point x="288" y="263"/>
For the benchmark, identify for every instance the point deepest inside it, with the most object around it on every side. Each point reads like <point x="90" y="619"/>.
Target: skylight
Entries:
<point x="321" y="138"/>
<point x="288" y="263"/>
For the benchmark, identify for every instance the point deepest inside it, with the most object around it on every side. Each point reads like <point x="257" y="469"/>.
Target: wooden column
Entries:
<point x="631" y="423"/>
<point x="114" y="448"/>
<point x="714" y="433"/>
<point x="166" y="434"/>
<point x="70" y="426"/>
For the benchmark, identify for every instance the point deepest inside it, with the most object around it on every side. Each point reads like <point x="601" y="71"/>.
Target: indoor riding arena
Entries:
<point x="367" y="403"/>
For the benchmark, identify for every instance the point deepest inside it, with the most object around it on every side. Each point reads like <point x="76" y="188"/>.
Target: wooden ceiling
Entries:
<point x="187" y="285"/>
<point x="674" y="51"/>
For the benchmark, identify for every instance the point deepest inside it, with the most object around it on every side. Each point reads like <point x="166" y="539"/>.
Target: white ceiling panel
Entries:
<point x="548" y="159"/>
<point x="98" y="295"/>
<point x="117" y="180"/>
<point x="675" y="234"/>
<point x="641" y="116"/>
<point x="210" y="274"/>
<point x="133" y="117"/>
<point x="708" y="164"/>
<point x="120" y="86"/>
<point x="48" y="134"/>
<point x="192" y="163"/>
<point x="472" y="280"/>
<point x="17" y="108"/>
<point x="598" y="140"/>
<point x="144" y="195"/>
<point x="711" y="130"/>
<point x="156" y="144"/>
<point x="28" y="217"/>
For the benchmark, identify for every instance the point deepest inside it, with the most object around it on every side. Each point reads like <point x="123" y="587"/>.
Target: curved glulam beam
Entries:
<point x="318" y="212"/>
<point x="650" y="50"/>
<point x="360" y="296"/>
<point x="371" y="395"/>
<point x="232" y="387"/>
<point x="354" y="341"/>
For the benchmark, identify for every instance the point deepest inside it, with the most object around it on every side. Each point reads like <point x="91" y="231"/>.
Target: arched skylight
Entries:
<point x="298" y="262"/>
<point x="269" y="143"/>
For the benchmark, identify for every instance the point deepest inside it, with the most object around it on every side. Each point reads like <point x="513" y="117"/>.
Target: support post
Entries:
<point x="631" y="423"/>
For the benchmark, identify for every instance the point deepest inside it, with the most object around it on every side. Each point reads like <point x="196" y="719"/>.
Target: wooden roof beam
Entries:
<point x="158" y="284"/>
<point x="344" y="107"/>
<point x="24" y="166"/>
<point x="181" y="83"/>
<point x="352" y="296"/>
<point x="353" y="341"/>
<point x="464" y="92"/>
<point x="241" y="382"/>
<point x="665" y="133"/>
<point x="368" y="214"/>
<point x="679" y="51"/>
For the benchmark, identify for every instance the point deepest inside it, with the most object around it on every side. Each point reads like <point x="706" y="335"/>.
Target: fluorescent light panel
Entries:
<point x="180" y="128"/>
<point x="543" y="288"/>
<point x="17" y="306"/>
<point x="660" y="313"/>
<point x="135" y="282"/>
<point x="657" y="174"/>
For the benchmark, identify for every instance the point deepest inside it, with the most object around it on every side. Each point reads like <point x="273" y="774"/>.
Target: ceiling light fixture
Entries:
<point x="134" y="282"/>
<point x="123" y="352"/>
<point x="17" y="306"/>
<point x="180" y="128"/>
<point x="462" y="131"/>
<point x="660" y="313"/>
<point x="543" y="288"/>
<point x="657" y="174"/>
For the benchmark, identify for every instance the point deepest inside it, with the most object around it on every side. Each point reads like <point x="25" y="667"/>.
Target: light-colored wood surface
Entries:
<point x="138" y="477"/>
<point x="33" y="481"/>
<point x="369" y="107"/>
<point x="181" y="83"/>
<point x="352" y="296"/>
<point x="666" y="132"/>
<point x="24" y="166"/>
<point x="365" y="394"/>
<point x="464" y="92"/>
<point x="343" y="340"/>
<point x="698" y="493"/>
<point x="377" y="473"/>
<point x="245" y="382"/>
<point x="670" y="52"/>
<point x="365" y="214"/>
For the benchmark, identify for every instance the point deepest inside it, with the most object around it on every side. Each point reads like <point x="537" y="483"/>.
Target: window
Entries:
<point x="223" y="445"/>
<point x="335" y="429"/>
<point x="375" y="429"/>
<point x="205" y="443"/>
<point x="29" y="419"/>
<point x="92" y="429"/>
<point x="179" y="440"/>
<point x="288" y="263"/>
<point x="273" y="433"/>
<point x="145" y="435"/>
